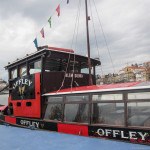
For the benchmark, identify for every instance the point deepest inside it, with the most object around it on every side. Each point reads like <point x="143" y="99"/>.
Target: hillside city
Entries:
<point x="131" y="73"/>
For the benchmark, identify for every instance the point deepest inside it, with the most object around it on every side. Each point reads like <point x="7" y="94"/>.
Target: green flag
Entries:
<point x="50" y="23"/>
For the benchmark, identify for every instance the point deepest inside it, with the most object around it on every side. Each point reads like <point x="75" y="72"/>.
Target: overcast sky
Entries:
<point x="125" y="23"/>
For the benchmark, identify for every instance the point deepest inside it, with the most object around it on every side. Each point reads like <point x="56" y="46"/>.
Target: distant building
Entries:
<point x="135" y="72"/>
<point x="2" y="84"/>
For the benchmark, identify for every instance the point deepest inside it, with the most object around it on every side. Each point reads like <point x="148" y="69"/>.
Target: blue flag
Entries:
<point x="35" y="42"/>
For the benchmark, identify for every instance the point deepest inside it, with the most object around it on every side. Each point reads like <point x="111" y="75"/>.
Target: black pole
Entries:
<point x="88" y="44"/>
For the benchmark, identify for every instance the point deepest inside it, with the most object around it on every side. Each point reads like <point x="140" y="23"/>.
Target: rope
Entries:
<point x="95" y="37"/>
<point x="43" y="27"/>
<point x="77" y="24"/>
<point x="71" y="48"/>
<point x="104" y="37"/>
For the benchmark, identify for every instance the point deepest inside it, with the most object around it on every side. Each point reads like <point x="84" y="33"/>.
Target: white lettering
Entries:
<point x="30" y="123"/>
<point x="22" y="82"/>
<point x="132" y="135"/>
<point x="142" y="135"/>
<point x="100" y="132"/>
<point x="108" y="132"/>
<point x="122" y="135"/>
<point x="115" y="132"/>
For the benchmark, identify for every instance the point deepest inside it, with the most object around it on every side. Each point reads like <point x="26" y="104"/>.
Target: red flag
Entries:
<point x="42" y="32"/>
<point x="58" y="10"/>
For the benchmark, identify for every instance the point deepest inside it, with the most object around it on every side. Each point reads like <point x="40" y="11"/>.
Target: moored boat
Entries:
<point x="51" y="90"/>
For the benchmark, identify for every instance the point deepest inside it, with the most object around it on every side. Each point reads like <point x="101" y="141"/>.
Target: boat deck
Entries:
<point x="25" y="139"/>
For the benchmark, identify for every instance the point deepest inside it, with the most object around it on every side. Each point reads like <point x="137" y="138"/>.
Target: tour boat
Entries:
<point x="50" y="90"/>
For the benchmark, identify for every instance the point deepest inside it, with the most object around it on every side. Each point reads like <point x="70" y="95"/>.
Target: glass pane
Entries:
<point x="55" y="99"/>
<point x="105" y="97"/>
<point x="35" y="67"/>
<point x="76" y="113"/>
<point x="23" y="71"/>
<point x="141" y="95"/>
<point x="139" y="114"/>
<point x="77" y="98"/>
<point x="53" y="112"/>
<point x="108" y="113"/>
<point x="14" y="74"/>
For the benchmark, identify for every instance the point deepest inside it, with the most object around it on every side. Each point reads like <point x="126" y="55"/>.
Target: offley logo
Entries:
<point x="131" y="135"/>
<point x="21" y="90"/>
<point x="21" y="84"/>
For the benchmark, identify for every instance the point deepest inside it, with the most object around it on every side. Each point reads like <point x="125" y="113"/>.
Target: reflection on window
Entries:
<point x="54" y="112"/>
<point x="76" y="113"/>
<point x="55" y="99"/>
<point x="14" y="74"/>
<point x="23" y="71"/>
<point x="104" y="97"/>
<point x="139" y="114"/>
<point x="141" y="95"/>
<point x="35" y="67"/>
<point x="108" y="113"/>
<point x="77" y="98"/>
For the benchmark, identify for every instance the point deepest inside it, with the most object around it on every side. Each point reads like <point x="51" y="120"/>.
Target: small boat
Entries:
<point x="50" y="90"/>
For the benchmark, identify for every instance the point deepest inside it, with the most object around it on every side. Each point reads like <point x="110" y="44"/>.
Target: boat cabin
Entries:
<point x="48" y="69"/>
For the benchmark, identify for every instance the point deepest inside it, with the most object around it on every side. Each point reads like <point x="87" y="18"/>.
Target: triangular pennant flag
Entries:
<point x="35" y="42"/>
<point x="42" y="32"/>
<point x="67" y="1"/>
<point x="58" y="10"/>
<point x="50" y="22"/>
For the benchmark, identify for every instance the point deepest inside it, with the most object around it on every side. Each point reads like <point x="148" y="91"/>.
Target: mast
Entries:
<point x="88" y="43"/>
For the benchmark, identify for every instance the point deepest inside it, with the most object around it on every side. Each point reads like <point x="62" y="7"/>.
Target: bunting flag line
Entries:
<point x="58" y="10"/>
<point x="42" y="33"/>
<point x="35" y="42"/>
<point x="50" y="22"/>
<point x="67" y="1"/>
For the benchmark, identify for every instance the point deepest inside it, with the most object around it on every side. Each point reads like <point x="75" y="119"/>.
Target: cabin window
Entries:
<point x="108" y="113"/>
<point x="35" y="67"/>
<point x="22" y="71"/>
<point x="138" y="114"/>
<point x="28" y="104"/>
<point x="54" y="109"/>
<point x="76" y="113"/>
<point x="55" y="99"/>
<point x="55" y="65"/>
<point x="13" y="73"/>
<point x="76" y="108"/>
<point x="82" y="98"/>
<point x="18" y="104"/>
<point x="54" y="112"/>
<point x="107" y="97"/>
<point x="138" y="96"/>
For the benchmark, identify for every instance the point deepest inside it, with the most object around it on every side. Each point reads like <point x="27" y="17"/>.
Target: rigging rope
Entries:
<point x="104" y="36"/>
<point x="96" y="41"/>
<point x="78" y="20"/>
<point x="74" y="32"/>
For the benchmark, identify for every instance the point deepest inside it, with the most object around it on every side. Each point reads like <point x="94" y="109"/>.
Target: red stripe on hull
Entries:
<point x="11" y="120"/>
<point x="73" y="129"/>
